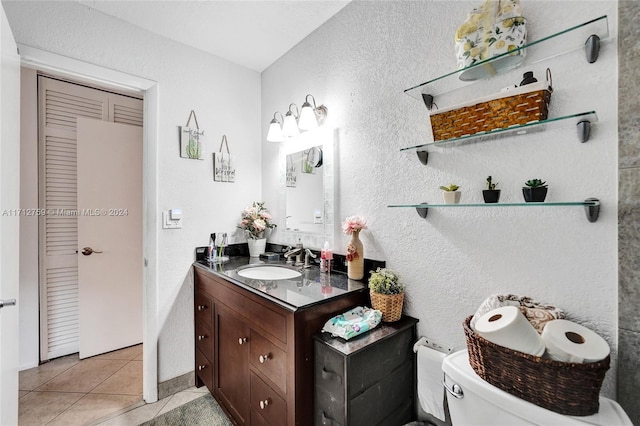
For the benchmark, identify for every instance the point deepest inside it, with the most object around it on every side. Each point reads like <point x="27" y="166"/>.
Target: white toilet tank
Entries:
<point x="479" y="403"/>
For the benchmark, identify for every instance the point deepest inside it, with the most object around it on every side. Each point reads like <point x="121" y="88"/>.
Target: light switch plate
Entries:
<point x="168" y="223"/>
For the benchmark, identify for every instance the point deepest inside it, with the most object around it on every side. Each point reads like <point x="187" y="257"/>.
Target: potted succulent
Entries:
<point x="450" y="194"/>
<point x="387" y="293"/>
<point x="535" y="191"/>
<point x="491" y="194"/>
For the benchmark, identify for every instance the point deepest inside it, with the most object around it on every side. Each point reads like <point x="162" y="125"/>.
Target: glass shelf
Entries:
<point x="564" y="41"/>
<point x="591" y="205"/>
<point x="536" y="126"/>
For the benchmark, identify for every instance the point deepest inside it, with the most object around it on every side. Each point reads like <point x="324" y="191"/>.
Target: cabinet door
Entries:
<point x="232" y="363"/>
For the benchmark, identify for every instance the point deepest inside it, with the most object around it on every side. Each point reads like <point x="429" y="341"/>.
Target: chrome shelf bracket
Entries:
<point x="423" y="156"/>
<point x="592" y="48"/>
<point x="592" y="210"/>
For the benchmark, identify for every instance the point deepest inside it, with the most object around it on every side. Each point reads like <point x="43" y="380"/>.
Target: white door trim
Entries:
<point x="36" y="58"/>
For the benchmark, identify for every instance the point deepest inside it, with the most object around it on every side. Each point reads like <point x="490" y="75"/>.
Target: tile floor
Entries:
<point x="105" y="389"/>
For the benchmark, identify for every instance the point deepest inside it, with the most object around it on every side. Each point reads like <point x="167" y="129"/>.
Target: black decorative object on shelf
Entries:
<point x="528" y="78"/>
<point x="535" y="191"/>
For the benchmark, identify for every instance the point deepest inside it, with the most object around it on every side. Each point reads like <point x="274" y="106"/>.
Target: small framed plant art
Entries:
<point x="223" y="170"/>
<point x="190" y="145"/>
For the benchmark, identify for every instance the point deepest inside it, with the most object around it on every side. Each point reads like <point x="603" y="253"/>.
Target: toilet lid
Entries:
<point x="457" y="370"/>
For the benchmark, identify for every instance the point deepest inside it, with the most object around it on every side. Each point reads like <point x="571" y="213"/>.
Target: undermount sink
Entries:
<point x="268" y="272"/>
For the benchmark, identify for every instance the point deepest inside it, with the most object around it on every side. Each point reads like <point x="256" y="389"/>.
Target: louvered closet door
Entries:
<point x="60" y="104"/>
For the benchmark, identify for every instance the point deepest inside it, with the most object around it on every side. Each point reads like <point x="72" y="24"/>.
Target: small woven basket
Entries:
<point x="566" y="388"/>
<point x="528" y="103"/>
<point x="389" y="304"/>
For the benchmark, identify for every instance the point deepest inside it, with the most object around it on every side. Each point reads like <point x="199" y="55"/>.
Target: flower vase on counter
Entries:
<point x="256" y="247"/>
<point x="256" y="222"/>
<point x="355" y="251"/>
<point x="355" y="257"/>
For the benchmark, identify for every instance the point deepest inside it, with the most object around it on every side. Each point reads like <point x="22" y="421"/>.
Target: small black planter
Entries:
<point x="491" y="195"/>
<point x="534" y="195"/>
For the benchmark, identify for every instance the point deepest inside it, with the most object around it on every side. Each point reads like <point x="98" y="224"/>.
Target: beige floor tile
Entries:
<point x="179" y="399"/>
<point x="38" y="408"/>
<point x="92" y="407"/>
<point x="84" y="376"/>
<point x="128" y="354"/>
<point x="126" y="381"/>
<point x="22" y="393"/>
<point x="37" y="376"/>
<point x="136" y="416"/>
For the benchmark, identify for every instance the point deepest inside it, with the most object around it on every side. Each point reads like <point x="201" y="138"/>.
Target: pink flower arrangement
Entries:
<point x="256" y="220"/>
<point x="353" y="224"/>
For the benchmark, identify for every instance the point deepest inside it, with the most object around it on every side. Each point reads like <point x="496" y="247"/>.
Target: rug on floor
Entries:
<point x="202" y="411"/>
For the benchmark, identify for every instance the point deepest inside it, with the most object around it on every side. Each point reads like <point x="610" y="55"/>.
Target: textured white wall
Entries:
<point x="226" y="98"/>
<point x="359" y="63"/>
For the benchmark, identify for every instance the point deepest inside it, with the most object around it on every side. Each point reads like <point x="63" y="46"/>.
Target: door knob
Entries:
<point x="88" y="250"/>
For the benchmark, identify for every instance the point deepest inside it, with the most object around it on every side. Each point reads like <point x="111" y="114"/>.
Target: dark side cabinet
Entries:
<point x="368" y="380"/>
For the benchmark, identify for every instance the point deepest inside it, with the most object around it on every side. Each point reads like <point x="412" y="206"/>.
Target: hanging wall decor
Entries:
<point x="190" y="145"/>
<point x="291" y="173"/>
<point x="223" y="170"/>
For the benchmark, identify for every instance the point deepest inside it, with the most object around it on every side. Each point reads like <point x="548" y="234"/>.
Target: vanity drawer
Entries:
<point x="267" y="403"/>
<point x="329" y="371"/>
<point x="204" y="370"/>
<point x="203" y="308"/>
<point x="204" y="338"/>
<point x="269" y="360"/>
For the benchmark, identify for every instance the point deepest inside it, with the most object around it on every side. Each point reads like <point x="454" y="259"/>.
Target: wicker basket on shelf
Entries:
<point x="567" y="388"/>
<point x="389" y="304"/>
<point x="513" y="107"/>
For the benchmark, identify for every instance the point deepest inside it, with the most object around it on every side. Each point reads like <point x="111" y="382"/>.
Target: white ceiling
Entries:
<point x="249" y="33"/>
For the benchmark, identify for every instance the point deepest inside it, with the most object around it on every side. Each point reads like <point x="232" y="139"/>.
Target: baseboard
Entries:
<point x="175" y="385"/>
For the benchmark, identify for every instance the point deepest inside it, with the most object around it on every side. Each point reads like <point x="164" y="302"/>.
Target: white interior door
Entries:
<point x="9" y="221"/>
<point x="110" y="225"/>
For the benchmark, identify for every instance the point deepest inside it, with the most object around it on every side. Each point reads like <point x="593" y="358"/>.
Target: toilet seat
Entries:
<point x="500" y="407"/>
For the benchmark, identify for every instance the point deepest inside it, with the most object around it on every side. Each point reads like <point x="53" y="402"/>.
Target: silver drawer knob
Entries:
<point x="264" y="358"/>
<point x="264" y="404"/>
<point x="242" y="340"/>
<point x="202" y="307"/>
<point x="202" y="337"/>
<point x="201" y="367"/>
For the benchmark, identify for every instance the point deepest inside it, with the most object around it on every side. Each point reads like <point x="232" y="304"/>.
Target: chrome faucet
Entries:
<point x="298" y="251"/>
<point x="307" y="258"/>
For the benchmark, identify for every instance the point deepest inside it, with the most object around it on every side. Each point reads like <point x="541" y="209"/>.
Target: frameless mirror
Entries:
<point x="307" y="165"/>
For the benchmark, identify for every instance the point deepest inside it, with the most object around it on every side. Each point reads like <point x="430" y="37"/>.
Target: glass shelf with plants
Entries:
<point x="579" y="119"/>
<point x="591" y="206"/>
<point x="587" y="35"/>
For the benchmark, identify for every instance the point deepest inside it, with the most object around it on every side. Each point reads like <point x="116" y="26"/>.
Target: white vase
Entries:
<point x="256" y="247"/>
<point x="451" y="197"/>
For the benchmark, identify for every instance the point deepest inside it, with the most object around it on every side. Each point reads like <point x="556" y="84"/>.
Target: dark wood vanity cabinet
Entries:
<point x="256" y="356"/>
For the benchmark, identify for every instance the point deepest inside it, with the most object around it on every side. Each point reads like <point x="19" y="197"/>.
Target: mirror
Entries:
<point x="307" y="177"/>
<point x="305" y="191"/>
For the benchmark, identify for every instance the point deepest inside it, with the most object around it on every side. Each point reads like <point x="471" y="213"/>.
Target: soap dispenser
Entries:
<point x="325" y="258"/>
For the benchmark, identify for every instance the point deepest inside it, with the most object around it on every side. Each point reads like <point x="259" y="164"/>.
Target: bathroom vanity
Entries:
<point x="253" y="337"/>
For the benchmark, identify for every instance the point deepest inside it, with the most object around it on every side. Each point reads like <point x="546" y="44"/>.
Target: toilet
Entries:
<point x="473" y="401"/>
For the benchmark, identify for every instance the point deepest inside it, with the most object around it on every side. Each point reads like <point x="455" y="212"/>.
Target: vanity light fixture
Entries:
<point x="290" y="126"/>
<point x="275" y="133"/>
<point x="311" y="116"/>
